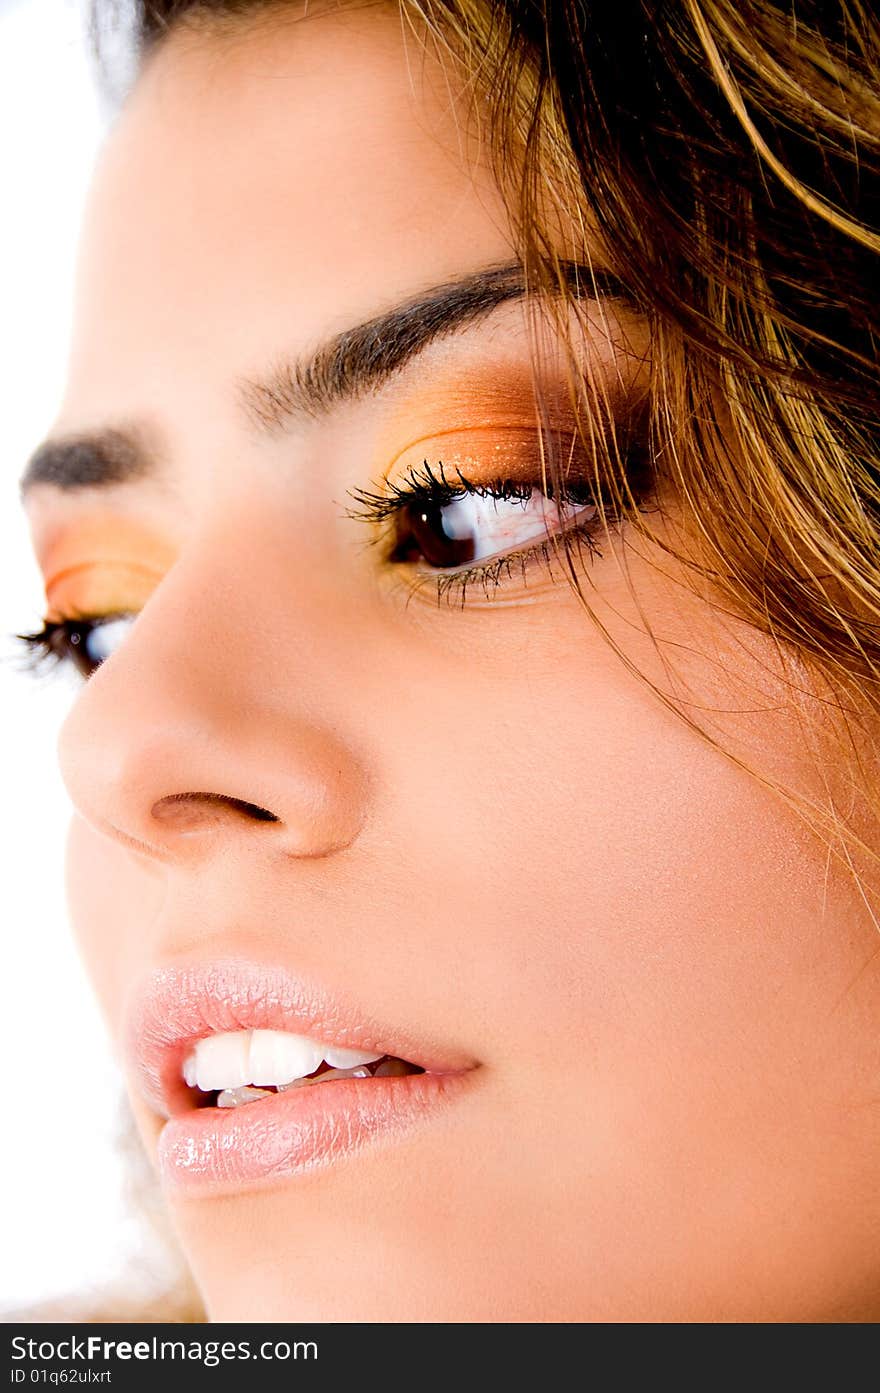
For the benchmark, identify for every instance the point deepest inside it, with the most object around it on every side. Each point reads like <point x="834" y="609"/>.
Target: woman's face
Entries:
<point x="321" y="790"/>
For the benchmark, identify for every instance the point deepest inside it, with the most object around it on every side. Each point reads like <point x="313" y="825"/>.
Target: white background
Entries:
<point x="64" y="1227"/>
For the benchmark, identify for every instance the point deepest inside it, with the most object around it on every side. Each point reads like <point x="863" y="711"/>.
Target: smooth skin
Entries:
<point x="489" y="830"/>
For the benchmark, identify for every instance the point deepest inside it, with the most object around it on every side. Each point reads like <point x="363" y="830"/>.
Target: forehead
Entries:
<point x="290" y="175"/>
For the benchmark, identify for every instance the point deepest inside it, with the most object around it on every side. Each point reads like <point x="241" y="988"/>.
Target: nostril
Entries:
<point x="261" y="814"/>
<point x="195" y="809"/>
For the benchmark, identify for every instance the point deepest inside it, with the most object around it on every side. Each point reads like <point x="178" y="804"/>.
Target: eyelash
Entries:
<point x="62" y="642"/>
<point x="422" y="487"/>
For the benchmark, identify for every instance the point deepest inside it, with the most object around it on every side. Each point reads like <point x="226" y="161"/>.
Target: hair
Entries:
<point x="723" y="157"/>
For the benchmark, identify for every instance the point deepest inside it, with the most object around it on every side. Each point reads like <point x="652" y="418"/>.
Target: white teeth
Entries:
<point x="222" y="1062"/>
<point x="234" y="1097"/>
<point x="238" y="1058"/>
<point x="277" y="1057"/>
<point x="348" y="1059"/>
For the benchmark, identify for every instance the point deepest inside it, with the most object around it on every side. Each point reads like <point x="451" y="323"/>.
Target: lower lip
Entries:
<point x="213" y="1151"/>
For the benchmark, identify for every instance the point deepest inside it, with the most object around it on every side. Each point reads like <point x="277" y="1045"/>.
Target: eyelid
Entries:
<point x="96" y="562"/>
<point x="490" y="428"/>
<point x="111" y="539"/>
<point x="477" y="395"/>
<point x="97" y="587"/>
<point x="520" y="447"/>
<point x="110" y="563"/>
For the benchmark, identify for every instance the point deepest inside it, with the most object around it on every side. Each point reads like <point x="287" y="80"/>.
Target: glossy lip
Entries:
<point x="214" y="1150"/>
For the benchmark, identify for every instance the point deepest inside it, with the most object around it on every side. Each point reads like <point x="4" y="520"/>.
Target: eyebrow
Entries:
<point x="345" y="368"/>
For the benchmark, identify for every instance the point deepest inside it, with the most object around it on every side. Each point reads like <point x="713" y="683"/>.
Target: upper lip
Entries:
<point x="177" y="1006"/>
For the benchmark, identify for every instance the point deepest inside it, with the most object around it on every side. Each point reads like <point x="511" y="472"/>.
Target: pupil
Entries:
<point x="83" y="658"/>
<point x="88" y="646"/>
<point x="433" y="539"/>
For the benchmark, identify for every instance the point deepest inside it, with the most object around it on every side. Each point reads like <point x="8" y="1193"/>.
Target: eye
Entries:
<point x="451" y="533"/>
<point x="475" y="526"/>
<point x="82" y="643"/>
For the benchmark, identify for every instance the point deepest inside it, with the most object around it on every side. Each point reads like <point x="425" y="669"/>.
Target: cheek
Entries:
<point x="612" y="890"/>
<point x="112" y="901"/>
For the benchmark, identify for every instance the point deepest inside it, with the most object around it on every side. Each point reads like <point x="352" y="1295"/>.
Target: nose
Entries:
<point x="221" y="724"/>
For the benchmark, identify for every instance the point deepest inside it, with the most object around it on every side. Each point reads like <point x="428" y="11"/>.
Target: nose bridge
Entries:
<point x="217" y="720"/>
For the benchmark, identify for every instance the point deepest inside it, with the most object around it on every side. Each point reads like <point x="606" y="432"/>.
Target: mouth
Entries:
<point x="242" y="1067"/>
<point x="258" y="1076"/>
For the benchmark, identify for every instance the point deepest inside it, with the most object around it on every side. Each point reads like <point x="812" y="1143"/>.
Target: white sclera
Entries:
<point x="104" y="639"/>
<point x="497" y="524"/>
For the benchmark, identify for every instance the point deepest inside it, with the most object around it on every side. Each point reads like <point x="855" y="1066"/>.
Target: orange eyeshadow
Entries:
<point x="474" y="419"/>
<point x="101" y="564"/>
